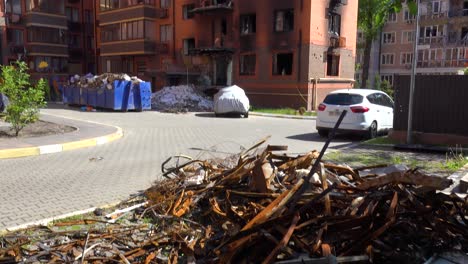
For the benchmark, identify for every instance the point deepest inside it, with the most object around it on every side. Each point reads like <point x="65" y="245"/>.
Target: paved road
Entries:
<point x="39" y="187"/>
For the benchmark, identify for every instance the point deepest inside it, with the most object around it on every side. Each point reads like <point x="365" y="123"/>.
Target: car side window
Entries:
<point x="372" y="99"/>
<point x="388" y="101"/>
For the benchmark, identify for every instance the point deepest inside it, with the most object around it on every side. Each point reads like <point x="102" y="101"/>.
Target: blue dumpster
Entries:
<point x="83" y="96"/>
<point x="101" y="96"/>
<point x="145" y="91"/>
<point x="117" y="98"/>
<point x="92" y="97"/>
<point x="66" y="94"/>
<point x="142" y="96"/>
<point x="131" y="93"/>
<point x="75" y="94"/>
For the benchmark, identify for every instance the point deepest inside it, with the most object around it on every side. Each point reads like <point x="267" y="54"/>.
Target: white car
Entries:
<point x="369" y="112"/>
<point x="231" y="100"/>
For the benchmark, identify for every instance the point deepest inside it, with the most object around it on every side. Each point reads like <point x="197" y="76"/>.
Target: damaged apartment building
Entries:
<point x="283" y="53"/>
<point x="271" y="48"/>
<point x="442" y="41"/>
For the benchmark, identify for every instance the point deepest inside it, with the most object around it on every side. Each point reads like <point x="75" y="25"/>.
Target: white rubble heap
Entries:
<point x="181" y="98"/>
<point x="106" y="79"/>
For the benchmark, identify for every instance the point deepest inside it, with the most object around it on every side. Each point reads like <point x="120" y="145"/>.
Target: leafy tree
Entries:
<point x="25" y="98"/>
<point x="372" y="16"/>
<point x="465" y="71"/>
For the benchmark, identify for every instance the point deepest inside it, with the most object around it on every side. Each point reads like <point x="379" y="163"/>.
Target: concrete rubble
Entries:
<point x="98" y="81"/>
<point x="182" y="98"/>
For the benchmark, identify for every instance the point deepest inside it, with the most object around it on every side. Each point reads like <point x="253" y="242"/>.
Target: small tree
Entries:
<point x="25" y="98"/>
<point x="465" y="71"/>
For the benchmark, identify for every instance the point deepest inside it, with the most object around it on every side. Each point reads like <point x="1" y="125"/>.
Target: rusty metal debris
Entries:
<point x="209" y="212"/>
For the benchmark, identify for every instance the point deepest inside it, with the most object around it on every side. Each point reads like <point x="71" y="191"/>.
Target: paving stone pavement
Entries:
<point x="34" y="188"/>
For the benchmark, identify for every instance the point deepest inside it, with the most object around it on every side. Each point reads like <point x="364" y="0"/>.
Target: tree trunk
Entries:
<point x="366" y="62"/>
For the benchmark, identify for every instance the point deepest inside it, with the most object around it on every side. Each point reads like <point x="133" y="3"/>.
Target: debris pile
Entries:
<point x="264" y="207"/>
<point x="181" y="98"/>
<point x="103" y="80"/>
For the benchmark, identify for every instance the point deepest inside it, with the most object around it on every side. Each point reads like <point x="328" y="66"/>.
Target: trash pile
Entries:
<point x="98" y="81"/>
<point x="181" y="99"/>
<point x="263" y="207"/>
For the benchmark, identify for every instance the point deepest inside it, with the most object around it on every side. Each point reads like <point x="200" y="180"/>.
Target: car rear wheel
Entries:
<point x="323" y="132"/>
<point x="372" y="130"/>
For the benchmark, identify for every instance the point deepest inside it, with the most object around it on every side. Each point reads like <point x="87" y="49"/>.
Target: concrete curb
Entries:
<point x="283" y="116"/>
<point x="46" y="221"/>
<point x="56" y="148"/>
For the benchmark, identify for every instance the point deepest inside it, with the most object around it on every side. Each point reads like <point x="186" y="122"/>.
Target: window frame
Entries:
<point x="334" y="23"/>
<point x="249" y="22"/>
<point x="290" y="25"/>
<point x="186" y="48"/>
<point x="384" y="55"/>
<point x="333" y="66"/>
<point x="275" y="61"/>
<point x="393" y="37"/>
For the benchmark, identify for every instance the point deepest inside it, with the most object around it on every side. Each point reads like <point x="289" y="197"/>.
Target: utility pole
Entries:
<point x="409" y="132"/>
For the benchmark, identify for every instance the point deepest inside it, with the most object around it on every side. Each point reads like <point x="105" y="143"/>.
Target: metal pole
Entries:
<point x="409" y="132"/>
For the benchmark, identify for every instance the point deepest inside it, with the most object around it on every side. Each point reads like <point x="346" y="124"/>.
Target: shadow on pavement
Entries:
<point x="212" y="115"/>
<point x="315" y="137"/>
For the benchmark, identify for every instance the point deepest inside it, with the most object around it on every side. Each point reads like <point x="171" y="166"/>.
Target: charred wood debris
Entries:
<point x="262" y="207"/>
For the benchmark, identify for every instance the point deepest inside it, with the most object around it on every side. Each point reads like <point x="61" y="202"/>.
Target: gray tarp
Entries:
<point x="231" y="99"/>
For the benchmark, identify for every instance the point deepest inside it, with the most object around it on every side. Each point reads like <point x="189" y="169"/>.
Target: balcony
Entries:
<point x="44" y="49"/>
<point x="44" y="19"/>
<point x="433" y="41"/>
<point x="139" y="11"/>
<point x="457" y="63"/>
<point x="133" y="47"/>
<point x="213" y="6"/>
<point x="440" y="17"/>
<point x="204" y="47"/>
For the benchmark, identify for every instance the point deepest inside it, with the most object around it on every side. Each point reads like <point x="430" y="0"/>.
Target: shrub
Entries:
<point x="25" y="98"/>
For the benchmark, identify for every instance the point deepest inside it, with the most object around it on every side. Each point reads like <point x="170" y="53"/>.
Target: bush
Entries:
<point x="25" y="99"/>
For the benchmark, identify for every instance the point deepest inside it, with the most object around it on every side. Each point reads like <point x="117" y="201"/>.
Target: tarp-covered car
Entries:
<point x="231" y="100"/>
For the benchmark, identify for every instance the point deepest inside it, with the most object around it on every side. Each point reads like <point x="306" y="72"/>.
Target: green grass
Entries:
<point x="452" y="163"/>
<point x="281" y="111"/>
<point x="455" y="160"/>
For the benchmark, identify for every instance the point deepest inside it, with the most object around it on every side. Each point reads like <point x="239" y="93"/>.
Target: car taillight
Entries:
<point x="322" y="107"/>
<point x="359" y="109"/>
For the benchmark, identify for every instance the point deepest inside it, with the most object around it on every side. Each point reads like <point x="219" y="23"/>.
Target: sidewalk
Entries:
<point x="87" y="134"/>
<point x="283" y="116"/>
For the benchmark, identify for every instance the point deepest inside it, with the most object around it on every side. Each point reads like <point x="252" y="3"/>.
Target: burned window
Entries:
<point x="247" y="64"/>
<point x="333" y="65"/>
<point x="282" y="64"/>
<point x="248" y="24"/>
<point x="188" y="45"/>
<point x="186" y="11"/>
<point x="284" y="20"/>
<point x="334" y="23"/>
